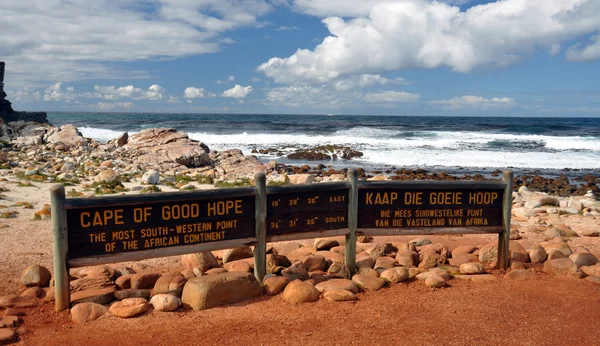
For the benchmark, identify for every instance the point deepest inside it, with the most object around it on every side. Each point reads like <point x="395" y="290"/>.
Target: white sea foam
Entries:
<point x="418" y="148"/>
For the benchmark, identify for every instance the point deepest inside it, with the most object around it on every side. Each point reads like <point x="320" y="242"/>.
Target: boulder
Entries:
<point x="520" y="275"/>
<point x="99" y="296"/>
<point x="202" y="260"/>
<point x="237" y="266"/>
<point x="435" y="281"/>
<point x="591" y="270"/>
<point x="315" y="262"/>
<point x="214" y="290"/>
<point x="395" y="275"/>
<point x="132" y="293"/>
<point x="87" y="312"/>
<point x="463" y="250"/>
<point x="129" y="307"/>
<point x="557" y="245"/>
<point x="107" y="176"/>
<point x="297" y="292"/>
<point x="471" y="268"/>
<point x="165" y="302"/>
<point x="36" y="275"/>
<point x="325" y="243"/>
<point x="275" y="284"/>
<point x="583" y="259"/>
<point x="151" y="177"/>
<point x="297" y="271"/>
<point x="593" y="279"/>
<point x="338" y="270"/>
<point x="562" y="267"/>
<point x="68" y="135"/>
<point x="384" y="263"/>
<point x="144" y="280"/>
<point x="239" y="253"/>
<point x="298" y="179"/>
<point x="406" y="258"/>
<point x="337" y="284"/>
<point x="537" y="254"/>
<point x="339" y="296"/>
<point x="367" y="282"/>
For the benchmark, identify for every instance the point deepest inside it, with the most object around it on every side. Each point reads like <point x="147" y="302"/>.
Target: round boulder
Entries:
<point x="165" y="302"/>
<point x="297" y="292"/>
<point x="36" y="275"/>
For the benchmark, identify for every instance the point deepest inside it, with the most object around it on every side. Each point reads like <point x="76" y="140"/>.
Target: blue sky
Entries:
<point x="396" y="57"/>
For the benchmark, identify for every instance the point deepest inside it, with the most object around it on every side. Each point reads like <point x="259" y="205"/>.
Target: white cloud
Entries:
<point x="474" y="102"/>
<point x="23" y="95"/>
<point x="589" y="52"/>
<point x="114" y="105"/>
<point x="193" y="93"/>
<point x="387" y="35"/>
<point x="391" y="97"/>
<point x="228" y="80"/>
<point x="56" y="92"/>
<point x="238" y="92"/>
<point x="287" y="28"/>
<point x="154" y="92"/>
<point x="44" y="41"/>
<point x="365" y="81"/>
<point x="255" y="79"/>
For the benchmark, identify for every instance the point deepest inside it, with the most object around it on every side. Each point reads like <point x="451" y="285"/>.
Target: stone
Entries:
<point x="289" y="247"/>
<point x="384" y="263"/>
<point x="202" y="260"/>
<point x="380" y="250"/>
<point x="99" y="296"/>
<point x="590" y="233"/>
<point x="537" y="254"/>
<point x="583" y="259"/>
<point x="338" y="270"/>
<point x="276" y="263"/>
<point x="239" y="253"/>
<point x="560" y="231"/>
<point x="363" y="259"/>
<point x="434" y="281"/>
<point x="9" y="321"/>
<point x="591" y="270"/>
<point x="36" y="275"/>
<point x="593" y="279"/>
<point x="559" y="245"/>
<point x="297" y="179"/>
<point x="297" y="292"/>
<point x="7" y="336"/>
<point x="237" y="266"/>
<point x="87" y="312"/>
<point x="215" y="271"/>
<point x="210" y="291"/>
<point x="458" y="260"/>
<point x="91" y="283"/>
<point x="132" y="293"/>
<point x="151" y="177"/>
<point x="297" y="271"/>
<point x="331" y="256"/>
<point x="315" y="262"/>
<point x="489" y="252"/>
<point x="395" y="275"/>
<point x="471" y="268"/>
<point x="124" y="281"/>
<point x="172" y="282"/>
<point x="420" y="241"/>
<point x="369" y="272"/>
<point x="516" y="265"/>
<point x="406" y="258"/>
<point x="165" y="302"/>
<point x="337" y="284"/>
<point x="562" y="267"/>
<point x="122" y="139"/>
<point x="275" y="284"/>
<point x="364" y="239"/>
<point x="367" y="282"/>
<point x="339" y="296"/>
<point x="554" y="254"/>
<point x="68" y="135"/>
<point x="107" y="176"/>
<point x="325" y="243"/>
<point x="98" y="272"/>
<point x="463" y="250"/>
<point x="430" y="260"/>
<point x="520" y="275"/>
<point x="129" y="307"/>
<point x="443" y="273"/>
<point x="16" y="301"/>
<point x="144" y="280"/>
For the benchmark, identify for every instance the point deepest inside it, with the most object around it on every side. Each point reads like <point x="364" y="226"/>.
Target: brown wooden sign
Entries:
<point x="312" y="211"/>
<point x="149" y="224"/>
<point x="436" y="206"/>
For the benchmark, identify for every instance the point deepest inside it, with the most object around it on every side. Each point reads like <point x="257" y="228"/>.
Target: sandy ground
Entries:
<point x="546" y="311"/>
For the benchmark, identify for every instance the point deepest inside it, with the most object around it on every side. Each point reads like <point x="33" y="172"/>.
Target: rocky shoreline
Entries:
<point x="555" y="231"/>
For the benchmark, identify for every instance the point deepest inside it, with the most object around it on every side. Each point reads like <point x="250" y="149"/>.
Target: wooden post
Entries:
<point x="350" y="251"/>
<point x="504" y="237"/>
<point x="60" y="247"/>
<point x="260" y="249"/>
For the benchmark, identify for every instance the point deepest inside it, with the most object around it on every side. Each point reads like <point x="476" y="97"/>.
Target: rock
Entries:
<point x="91" y="283"/>
<point x="99" y="296"/>
<point x="107" y="176"/>
<point x="407" y="258"/>
<point x="443" y="273"/>
<point x="297" y="292"/>
<point x="129" y="307"/>
<point x="9" y="321"/>
<point x="297" y="271"/>
<point x="239" y="253"/>
<point x="367" y="282"/>
<point x="202" y="260"/>
<point x="276" y="263"/>
<point x="384" y="263"/>
<point x="36" y="275"/>
<point x="430" y="260"/>
<point x="516" y="265"/>
<point x="132" y="293"/>
<point x="395" y="275"/>
<point x="364" y="260"/>
<point x="560" y="245"/>
<point x="315" y="262"/>
<point x="590" y="233"/>
<point x="489" y="252"/>
<point x="216" y="271"/>
<point x="98" y="272"/>
<point x="210" y="291"/>
<point x="537" y="254"/>
<point x="458" y="260"/>
<point x="121" y="140"/>
<point x="17" y="302"/>
<point x="583" y="259"/>
<point x="364" y="239"/>
<point x="562" y="267"/>
<point x="560" y="231"/>
<point x="151" y="177"/>
<point x="7" y="336"/>
<point x="524" y="212"/>
<point x="337" y="284"/>
<point x="144" y="280"/>
<point x="165" y="302"/>
<point x="237" y="266"/>
<point x="555" y="254"/>
<point x="289" y="247"/>
<point x="434" y="281"/>
<point x="338" y="270"/>
<point x="471" y="268"/>
<point x="463" y="250"/>
<point x="87" y="312"/>
<point x="591" y="270"/>
<point x="331" y="256"/>
<point x="37" y="292"/>
<point x="325" y="243"/>
<point x="68" y="135"/>
<point x="369" y="272"/>
<point x="170" y="283"/>
<point x="420" y="241"/>
<point x="275" y="284"/>
<point x="339" y="296"/>
<point x="593" y="279"/>
<point x="297" y="179"/>
<point x="381" y="250"/>
<point x="520" y="275"/>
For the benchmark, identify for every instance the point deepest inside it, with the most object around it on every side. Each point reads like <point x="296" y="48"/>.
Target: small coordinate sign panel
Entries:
<point x="298" y="212"/>
<point x="429" y="207"/>
<point x="113" y="229"/>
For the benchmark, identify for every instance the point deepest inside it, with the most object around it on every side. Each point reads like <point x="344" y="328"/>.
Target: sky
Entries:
<point x="363" y="57"/>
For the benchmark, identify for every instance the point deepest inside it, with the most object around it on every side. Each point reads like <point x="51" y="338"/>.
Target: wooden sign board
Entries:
<point x="430" y="206"/>
<point x="308" y="211"/>
<point x="134" y="223"/>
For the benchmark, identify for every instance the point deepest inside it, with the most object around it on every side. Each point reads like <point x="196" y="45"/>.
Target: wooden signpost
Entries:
<point x="127" y="228"/>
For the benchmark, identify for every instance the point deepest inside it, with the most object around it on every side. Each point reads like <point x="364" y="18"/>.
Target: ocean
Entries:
<point x="451" y="144"/>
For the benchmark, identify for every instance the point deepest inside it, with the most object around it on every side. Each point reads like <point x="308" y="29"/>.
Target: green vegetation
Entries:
<point x="74" y="193"/>
<point x="150" y="189"/>
<point x="237" y="183"/>
<point x="277" y="183"/>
